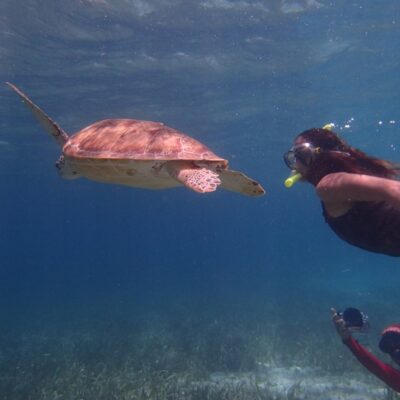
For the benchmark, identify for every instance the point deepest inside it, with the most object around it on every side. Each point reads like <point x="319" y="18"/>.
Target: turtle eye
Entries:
<point x="60" y="163"/>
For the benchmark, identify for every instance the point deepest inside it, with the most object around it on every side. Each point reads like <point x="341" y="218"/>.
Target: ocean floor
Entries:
<point x="275" y="352"/>
<point x="152" y="367"/>
<point x="271" y="382"/>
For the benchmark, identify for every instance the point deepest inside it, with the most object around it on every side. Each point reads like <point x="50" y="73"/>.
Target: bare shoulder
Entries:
<point x="337" y="189"/>
<point x="345" y="180"/>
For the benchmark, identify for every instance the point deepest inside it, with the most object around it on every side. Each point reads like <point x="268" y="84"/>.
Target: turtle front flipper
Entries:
<point x="59" y="135"/>
<point x="201" y="180"/>
<point x="238" y="182"/>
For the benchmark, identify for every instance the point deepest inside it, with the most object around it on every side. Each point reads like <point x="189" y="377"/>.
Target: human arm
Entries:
<point x="384" y="372"/>
<point x="343" y="187"/>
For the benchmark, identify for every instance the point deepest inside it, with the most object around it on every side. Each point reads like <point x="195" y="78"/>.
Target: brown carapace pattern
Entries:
<point x="140" y="140"/>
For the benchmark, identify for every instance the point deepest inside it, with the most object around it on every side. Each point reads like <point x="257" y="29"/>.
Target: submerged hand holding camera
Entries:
<point x="355" y="320"/>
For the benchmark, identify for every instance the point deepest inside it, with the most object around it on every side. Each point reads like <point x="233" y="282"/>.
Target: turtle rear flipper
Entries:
<point x="58" y="134"/>
<point x="238" y="182"/>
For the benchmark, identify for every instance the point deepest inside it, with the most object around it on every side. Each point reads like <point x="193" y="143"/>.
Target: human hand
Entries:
<point x="340" y="325"/>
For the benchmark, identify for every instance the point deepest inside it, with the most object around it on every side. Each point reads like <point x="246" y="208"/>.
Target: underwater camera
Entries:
<point x="355" y="320"/>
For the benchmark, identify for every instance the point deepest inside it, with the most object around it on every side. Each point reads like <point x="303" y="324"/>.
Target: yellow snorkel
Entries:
<point x="296" y="176"/>
<point x="289" y="182"/>
<point x="329" y="126"/>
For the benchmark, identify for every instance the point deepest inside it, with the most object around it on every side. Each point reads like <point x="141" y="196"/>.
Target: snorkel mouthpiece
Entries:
<point x="289" y="182"/>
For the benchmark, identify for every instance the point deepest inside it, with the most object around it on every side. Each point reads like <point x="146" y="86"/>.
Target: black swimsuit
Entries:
<point x="369" y="225"/>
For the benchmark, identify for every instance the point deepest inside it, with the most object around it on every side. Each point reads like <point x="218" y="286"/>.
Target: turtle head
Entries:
<point x="65" y="170"/>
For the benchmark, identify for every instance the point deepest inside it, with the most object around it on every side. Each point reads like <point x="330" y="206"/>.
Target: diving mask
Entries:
<point x="395" y="354"/>
<point x="304" y="152"/>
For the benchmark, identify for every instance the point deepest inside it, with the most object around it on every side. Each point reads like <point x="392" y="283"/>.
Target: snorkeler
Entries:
<point x="389" y="344"/>
<point x="360" y="194"/>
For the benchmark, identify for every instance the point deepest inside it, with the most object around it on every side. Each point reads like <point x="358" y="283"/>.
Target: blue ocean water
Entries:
<point x="243" y="77"/>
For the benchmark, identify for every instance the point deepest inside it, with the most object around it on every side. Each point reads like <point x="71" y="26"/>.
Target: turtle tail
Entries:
<point x="58" y="134"/>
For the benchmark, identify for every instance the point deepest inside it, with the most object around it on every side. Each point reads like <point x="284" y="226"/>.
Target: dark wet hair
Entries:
<point x="335" y="155"/>
<point x="390" y="341"/>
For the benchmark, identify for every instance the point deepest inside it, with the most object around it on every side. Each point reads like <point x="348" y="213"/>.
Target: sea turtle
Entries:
<point x="142" y="154"/>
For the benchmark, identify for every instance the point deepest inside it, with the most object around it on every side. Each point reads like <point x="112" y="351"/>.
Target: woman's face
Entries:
<point x="300" y="157"/>
<point x="395" y="356"/>
<point x="302" y="168"/>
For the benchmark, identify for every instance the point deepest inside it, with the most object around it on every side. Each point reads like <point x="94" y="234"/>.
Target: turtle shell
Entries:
<point x="135" y="140"/>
